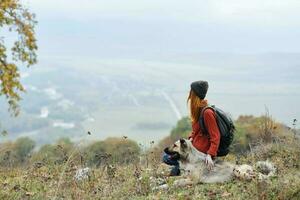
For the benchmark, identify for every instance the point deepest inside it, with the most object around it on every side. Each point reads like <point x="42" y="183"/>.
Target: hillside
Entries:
<point x="123" y="169"/>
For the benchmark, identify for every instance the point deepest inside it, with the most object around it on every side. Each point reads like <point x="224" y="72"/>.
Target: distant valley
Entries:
<point x="143" y="99"/>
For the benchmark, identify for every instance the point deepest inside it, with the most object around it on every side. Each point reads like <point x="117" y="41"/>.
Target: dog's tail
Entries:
<point x="265" y="169"/>
<point x="262" y="170"/>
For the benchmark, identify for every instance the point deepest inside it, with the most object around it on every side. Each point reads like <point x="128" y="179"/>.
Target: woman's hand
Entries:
<point x="209" y="162"/>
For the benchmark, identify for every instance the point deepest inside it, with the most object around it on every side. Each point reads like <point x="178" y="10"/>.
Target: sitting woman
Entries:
<point x="205" y="142"/>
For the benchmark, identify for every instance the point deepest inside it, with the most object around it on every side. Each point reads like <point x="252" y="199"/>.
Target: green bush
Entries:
<point x="123" y="151"/>
<point x="240" y="142"/>
<point x="54" y="153"/>
<point x="113" y="150"/>
<point x="23" y="147"/>
<point x="182" y="129"/>
<point x="16" y="153"/>
<point x="96" y="153"/>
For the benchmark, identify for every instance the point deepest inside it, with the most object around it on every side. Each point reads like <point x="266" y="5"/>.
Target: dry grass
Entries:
<point x="134" y="181"/>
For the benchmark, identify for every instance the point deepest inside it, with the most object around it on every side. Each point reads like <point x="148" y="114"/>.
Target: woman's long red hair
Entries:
<point x="195" y="104"/>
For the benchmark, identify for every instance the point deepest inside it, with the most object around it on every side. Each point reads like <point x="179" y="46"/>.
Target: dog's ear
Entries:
<point x="183" y="143"/>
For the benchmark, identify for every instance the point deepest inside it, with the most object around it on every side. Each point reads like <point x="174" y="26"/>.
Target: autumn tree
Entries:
<point x="15" y="21"/>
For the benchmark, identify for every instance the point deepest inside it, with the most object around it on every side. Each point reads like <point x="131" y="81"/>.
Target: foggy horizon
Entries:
<point x="130" y="64"/>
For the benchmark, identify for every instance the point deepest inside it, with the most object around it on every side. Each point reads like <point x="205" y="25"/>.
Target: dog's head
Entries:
<point x="180" y="149"/>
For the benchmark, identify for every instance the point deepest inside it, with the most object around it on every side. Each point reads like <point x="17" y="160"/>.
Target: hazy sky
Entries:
<point x="132" y="28"/>
<point x="247" y="49"/>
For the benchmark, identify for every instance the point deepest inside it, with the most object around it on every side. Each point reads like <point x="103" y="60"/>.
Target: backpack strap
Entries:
<point x="201" y="119"/>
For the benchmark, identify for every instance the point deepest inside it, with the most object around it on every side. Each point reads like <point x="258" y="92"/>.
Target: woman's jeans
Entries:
<point x="173" y="162"/>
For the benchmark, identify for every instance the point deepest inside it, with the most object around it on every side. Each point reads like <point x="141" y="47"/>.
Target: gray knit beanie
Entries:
<point x="200" y="88"/>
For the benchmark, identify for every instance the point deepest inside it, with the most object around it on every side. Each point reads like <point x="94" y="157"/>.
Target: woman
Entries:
<point x="205" y="142"/>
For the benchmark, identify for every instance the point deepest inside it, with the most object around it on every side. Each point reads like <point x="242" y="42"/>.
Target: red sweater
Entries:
<point x="201" y="141"/>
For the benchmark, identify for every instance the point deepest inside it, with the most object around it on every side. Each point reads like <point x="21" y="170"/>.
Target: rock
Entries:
<point x="82" y="174"/>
